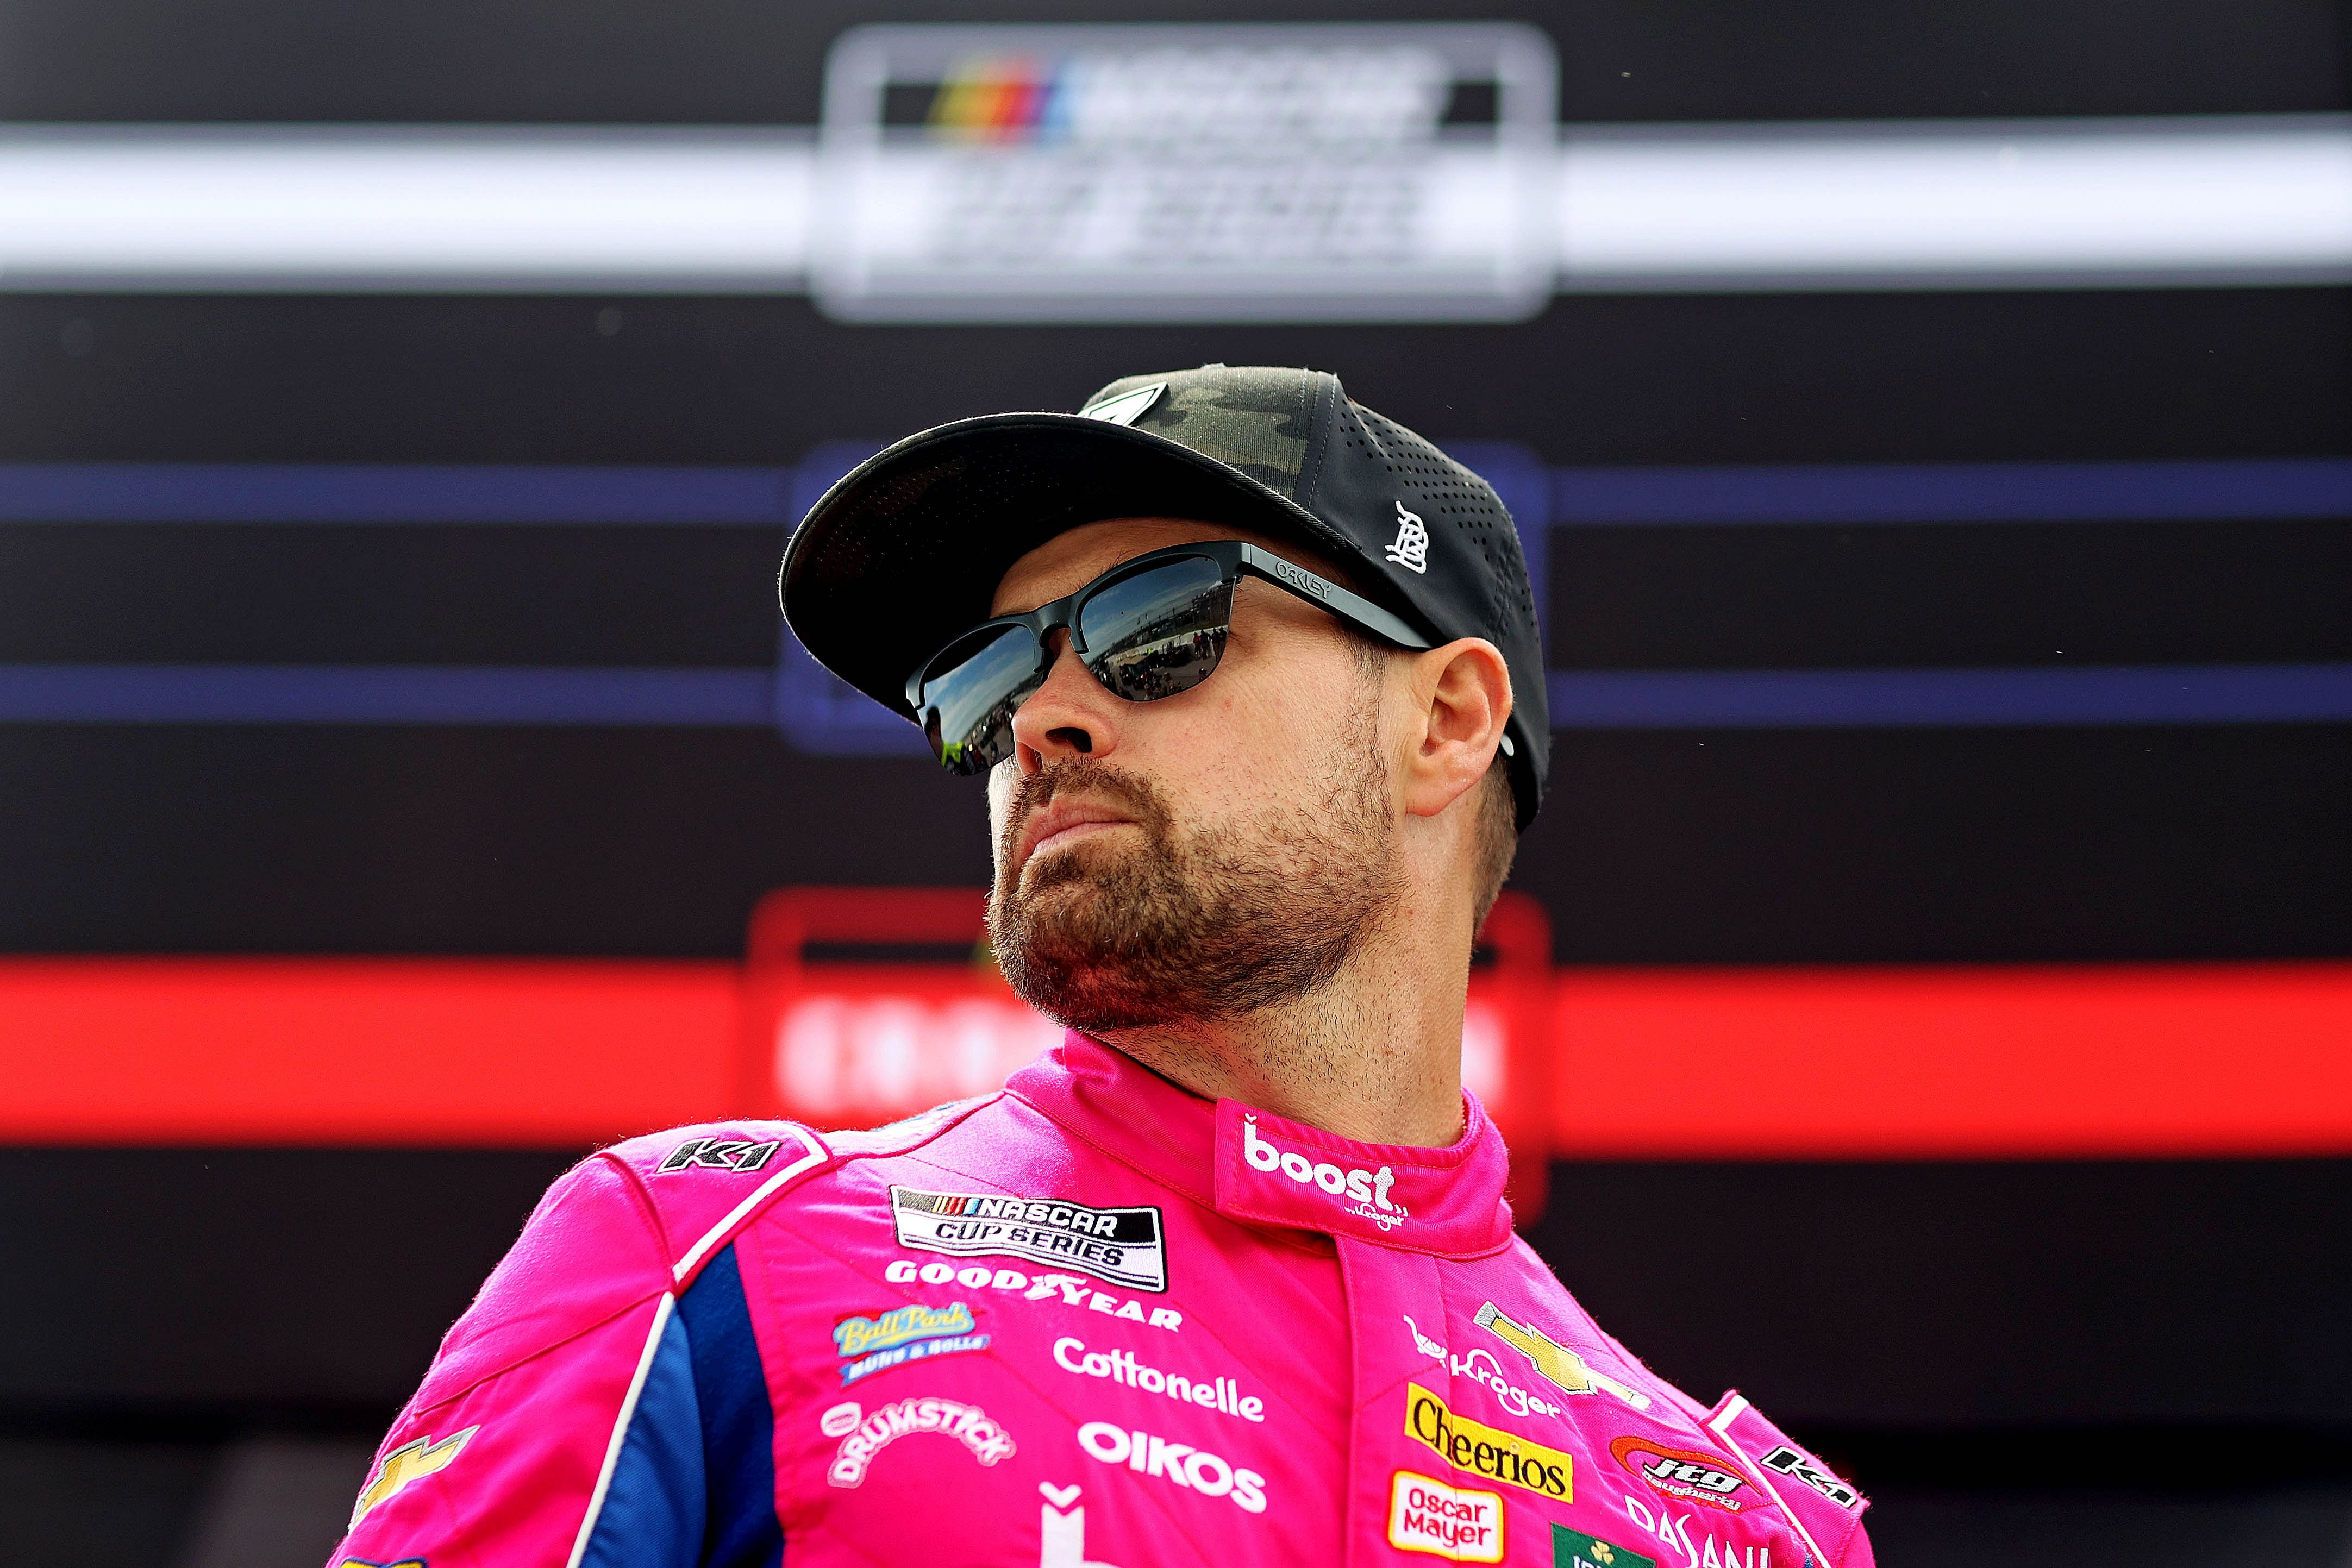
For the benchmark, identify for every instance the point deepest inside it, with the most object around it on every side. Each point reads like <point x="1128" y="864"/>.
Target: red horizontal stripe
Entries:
<point x="379" y="1051"/>
<point x="2252" y="1059"/>
<point x="2207" y="1059"/>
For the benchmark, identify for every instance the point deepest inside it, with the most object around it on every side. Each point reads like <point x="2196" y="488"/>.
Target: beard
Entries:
<point x="1192" y="926"/>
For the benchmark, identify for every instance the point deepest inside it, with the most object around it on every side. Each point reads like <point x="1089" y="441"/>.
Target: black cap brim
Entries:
<point x="907" y="548"/>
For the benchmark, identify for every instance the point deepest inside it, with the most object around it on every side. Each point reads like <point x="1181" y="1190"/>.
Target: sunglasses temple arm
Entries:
<point x="1331" y="596"/>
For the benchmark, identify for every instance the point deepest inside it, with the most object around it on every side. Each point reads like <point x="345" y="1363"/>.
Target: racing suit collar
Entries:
<point x="1258" y="1167"/>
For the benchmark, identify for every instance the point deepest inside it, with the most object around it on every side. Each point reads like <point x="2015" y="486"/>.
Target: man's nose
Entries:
<point x="1069" y="715"/>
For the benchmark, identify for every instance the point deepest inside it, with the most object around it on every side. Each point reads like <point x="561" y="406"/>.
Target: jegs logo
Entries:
<point x="1683" y="1473"/>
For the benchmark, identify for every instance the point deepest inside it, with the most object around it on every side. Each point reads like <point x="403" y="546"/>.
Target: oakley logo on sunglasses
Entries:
<point x="1409" y="548"/>
<point x="1300" y="579"/>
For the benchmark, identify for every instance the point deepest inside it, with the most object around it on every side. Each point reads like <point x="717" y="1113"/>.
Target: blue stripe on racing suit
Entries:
<point x="695" y="1480"/>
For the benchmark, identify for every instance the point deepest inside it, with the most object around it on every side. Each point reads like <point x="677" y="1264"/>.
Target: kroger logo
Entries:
<point x="1367" y="1190"/>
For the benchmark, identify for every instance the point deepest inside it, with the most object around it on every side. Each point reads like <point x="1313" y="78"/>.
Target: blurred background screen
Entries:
<point x="1930" y="427"/>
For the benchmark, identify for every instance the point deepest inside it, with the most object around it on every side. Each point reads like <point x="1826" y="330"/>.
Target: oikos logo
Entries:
<point x="1194" y="1469"/>
<point x="1367" y="1191"/>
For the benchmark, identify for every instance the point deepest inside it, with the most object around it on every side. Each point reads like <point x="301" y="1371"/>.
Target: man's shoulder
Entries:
<point x="641" y="1220"/>
<point x="705" y="1183"/>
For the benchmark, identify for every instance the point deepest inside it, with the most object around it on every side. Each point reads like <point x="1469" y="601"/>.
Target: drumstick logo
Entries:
<point x="1555" y="1364"/>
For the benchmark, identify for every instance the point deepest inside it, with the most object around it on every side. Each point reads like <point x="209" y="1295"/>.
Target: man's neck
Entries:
<point x="1374" y="1053"/>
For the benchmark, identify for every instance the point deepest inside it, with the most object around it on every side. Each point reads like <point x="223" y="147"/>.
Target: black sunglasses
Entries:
<point x="1148" y="628"/>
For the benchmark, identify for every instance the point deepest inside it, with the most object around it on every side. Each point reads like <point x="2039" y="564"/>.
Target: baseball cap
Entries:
<point x="907" y="548"/>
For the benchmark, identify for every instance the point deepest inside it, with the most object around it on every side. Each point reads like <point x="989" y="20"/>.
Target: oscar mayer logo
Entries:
<point x="1484" y="1451"/>
<point x="1685" y="1474"/>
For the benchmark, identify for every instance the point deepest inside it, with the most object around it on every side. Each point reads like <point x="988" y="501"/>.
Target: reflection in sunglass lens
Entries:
<point x="1160" y="632"/>
<point x="971" y="694"/>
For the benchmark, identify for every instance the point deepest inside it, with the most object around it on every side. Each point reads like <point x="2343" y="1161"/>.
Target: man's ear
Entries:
<point x="1462" y="696"/>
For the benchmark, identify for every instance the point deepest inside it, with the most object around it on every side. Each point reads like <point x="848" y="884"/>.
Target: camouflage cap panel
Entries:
<point x="1255" y="419"/>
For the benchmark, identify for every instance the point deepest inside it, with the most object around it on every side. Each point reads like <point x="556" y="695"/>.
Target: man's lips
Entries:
<point x="1061" y="823"/>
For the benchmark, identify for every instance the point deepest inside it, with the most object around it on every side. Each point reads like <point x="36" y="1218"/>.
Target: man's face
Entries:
<point x="1198" y="855"/>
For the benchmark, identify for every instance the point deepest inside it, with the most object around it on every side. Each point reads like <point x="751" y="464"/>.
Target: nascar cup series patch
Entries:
<point x="1120" y="1246"/>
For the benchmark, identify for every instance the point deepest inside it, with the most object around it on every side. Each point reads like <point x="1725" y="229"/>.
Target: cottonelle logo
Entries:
<point x="1367" y="1191"/>
<point x="1484" y="1451"/>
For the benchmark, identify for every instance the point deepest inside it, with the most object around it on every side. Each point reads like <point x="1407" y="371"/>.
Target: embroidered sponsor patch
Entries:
<point x="1358" y="1191"/>
<point x="1574" y="1548"/>
<point x="967" y="1424"/>
<point x="1453" y="1523"/>
<point x="1553" y="1362"/>
<point x="1484" y="1451"/>
<point x="1688" y="1475"/>
<point x="903" y="1335"/>
<point x="1120" y="1246"/>
<point x="1786" y="1460"/>
<point x="1222" y="1395"/>
<point x="409" y="1463"/>
<point x="1179" y="1464"/>
<point x="1068" y="1289"/>
<point x="741" y="1155"/>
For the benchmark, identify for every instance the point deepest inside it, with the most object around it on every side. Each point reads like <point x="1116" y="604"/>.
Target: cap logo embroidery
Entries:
<point x="1409" y="548"/>
<point x="1126" y="407"/>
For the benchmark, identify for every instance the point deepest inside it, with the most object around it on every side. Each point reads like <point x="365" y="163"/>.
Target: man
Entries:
<point x="1228" y="1277"/>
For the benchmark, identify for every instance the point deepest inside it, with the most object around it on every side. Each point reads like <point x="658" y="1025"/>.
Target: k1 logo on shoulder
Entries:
<point x="741" y="1155"/>
<point x="1360" y="1192"/>
<point x="1121" y="1246"/>
<point x="1787" y="1461"/>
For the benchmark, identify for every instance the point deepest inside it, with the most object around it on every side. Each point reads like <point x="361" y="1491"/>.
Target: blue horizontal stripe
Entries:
<point x="1954" y="492"/>
<point x="1795" y="699"/>
<point x="380" y="693"/>
<point x="387" y="493"/>
<point x="1762" y="494"/>
<point x="1626" y="699"/>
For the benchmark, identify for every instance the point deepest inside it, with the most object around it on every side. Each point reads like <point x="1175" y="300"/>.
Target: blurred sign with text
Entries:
<point x="1319" y="171"/>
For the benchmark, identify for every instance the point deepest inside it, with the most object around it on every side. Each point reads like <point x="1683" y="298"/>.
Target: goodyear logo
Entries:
<point x="1484" y="1451"/>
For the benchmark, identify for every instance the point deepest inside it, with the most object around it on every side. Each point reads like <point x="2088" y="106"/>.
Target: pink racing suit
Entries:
<point x="1090" y="1321"/>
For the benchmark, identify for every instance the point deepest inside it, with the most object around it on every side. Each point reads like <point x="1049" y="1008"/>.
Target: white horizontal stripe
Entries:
<point x="1889" y="204"/>
<point x="1834" y="206"/>
<point x="401" y="209"/>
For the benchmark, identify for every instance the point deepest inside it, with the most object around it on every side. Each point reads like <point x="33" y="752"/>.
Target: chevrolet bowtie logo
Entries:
<point x="409" y="1462"/>
<point x="1555" y="1364"/>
